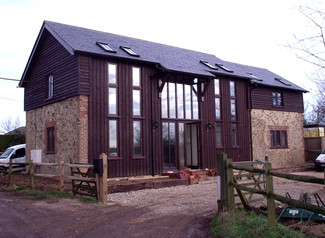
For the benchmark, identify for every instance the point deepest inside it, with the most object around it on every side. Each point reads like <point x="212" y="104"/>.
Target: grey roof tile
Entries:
<point x="174" y="59"/>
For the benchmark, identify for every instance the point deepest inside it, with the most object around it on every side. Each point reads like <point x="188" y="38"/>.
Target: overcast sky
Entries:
<point x="250" y="32"/>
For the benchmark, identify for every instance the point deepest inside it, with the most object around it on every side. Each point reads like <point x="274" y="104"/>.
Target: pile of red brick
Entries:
<point x="186" y="174"/>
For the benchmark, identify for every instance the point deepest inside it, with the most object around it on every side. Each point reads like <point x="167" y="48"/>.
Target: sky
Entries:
<point x="251" y="32"/>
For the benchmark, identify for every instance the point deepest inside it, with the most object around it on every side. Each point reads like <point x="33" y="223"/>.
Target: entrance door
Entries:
<point x="180" y="145"/>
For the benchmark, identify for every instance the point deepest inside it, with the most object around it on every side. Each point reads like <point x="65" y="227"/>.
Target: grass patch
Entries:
<point x="242" y="224"/>
<point x="52" y="193"/>
<point x="88" y="200"/>
<point x="20" y="188"/>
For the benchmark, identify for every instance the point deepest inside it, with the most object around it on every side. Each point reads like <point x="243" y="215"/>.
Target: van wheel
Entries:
<point x="3" y="171"/>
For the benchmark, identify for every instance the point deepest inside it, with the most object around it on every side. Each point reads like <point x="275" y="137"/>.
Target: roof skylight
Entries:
<point x="106" y="47"/>
<point x="206" y="63"/>
<point x="129" y="51"/>
<point x="254" y="77"/>
<point x="224" y="68"/>
<point x="282" y="81"/>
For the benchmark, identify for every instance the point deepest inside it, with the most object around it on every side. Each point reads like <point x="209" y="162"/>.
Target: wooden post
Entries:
<point x="221" y="179"/>
<point x="230" y="187"/>
<point x="10" y="172"/>
<point x="271" y="216"/>
<point x="61" y="171"/>
<point x="31" y="175"/>
<point x="103" y="181"/>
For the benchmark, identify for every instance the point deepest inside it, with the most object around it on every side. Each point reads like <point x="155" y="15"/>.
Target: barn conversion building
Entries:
<point x="152" y="107"/>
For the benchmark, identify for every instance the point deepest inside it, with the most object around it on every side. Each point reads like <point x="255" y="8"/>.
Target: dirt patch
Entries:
<point x="182" y="211"/>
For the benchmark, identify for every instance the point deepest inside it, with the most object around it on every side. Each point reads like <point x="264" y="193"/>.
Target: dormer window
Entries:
<point x="106" y="47"/>
<point x="207" y="64"/>
<point x="130" y="51"/>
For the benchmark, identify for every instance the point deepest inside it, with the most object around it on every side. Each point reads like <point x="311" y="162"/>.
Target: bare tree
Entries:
<point x="9" y="124"/>
<point x="310" y="47"/>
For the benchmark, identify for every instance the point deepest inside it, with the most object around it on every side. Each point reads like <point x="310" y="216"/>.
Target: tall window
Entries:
<point x="112" y="138"/>
<point x="137" y="138"/>
<point x="234" y="135"/>
<point x="50" y="86"/>
<point x="217" y="98"/>
<point x="112" y="90"/>
<point x="113" y="122"/>
<point x="169" y="144"/>
<point x="50" y="140"/>
<point x="232" y="101"/>
<point x="136" y="91"/>
<point x="219" y="134"/>
<point x="137" y="124"/>
<point x="179" y="101"/>
<point x="278" y="139"/>
<point x="277" y="99"/>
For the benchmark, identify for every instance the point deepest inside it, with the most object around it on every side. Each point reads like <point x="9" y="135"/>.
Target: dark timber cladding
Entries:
<point x="51" y="58"/>
<point x="241" y="152"/>
<point x="261" y="98"/>
<point x="125" y="164"/>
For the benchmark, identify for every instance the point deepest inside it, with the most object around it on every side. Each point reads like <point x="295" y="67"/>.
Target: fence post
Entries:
<point x="103" y="181"/>
<point x="10" y="172"/>
<point x="230" y="187"/>
<point x="271" y="217"/>
<point x="31" y="174"/>
<point x="221" y="181"/>
<point x="61" y="171"/>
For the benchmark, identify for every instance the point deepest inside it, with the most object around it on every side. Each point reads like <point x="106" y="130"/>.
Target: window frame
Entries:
<point x="136" y="88"/>
<point x="50" y="138"/>
<point x="189" y="101"/>
<point x="275" y="99"/>
<point x="233" y="101"/>
<point x="141" y="154"/>
<point x="219" y="125"/>
<point x="49" y="86"/>
<point x="234" y="139"/>
<point x="115" y="86"/>
<point x="276" y="138"/>
<point x="217" y="97"/>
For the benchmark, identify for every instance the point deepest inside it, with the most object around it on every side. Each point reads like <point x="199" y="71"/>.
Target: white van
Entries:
<point x="15" y="153"/>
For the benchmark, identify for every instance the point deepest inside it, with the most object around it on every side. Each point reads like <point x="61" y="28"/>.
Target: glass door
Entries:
<point x="192" y="158"/>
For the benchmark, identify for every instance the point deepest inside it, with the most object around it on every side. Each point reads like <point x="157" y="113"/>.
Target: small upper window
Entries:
<point x="50" y="86"/>
<point x="224" y="68"/>
<point x="277" y="99"/>
<point x="206" y="63"/>
<point x="282" y="81"/>
<point x="106" y="47"/>
<point x="129" y="51"/>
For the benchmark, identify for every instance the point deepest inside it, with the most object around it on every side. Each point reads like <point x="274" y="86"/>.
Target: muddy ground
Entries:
<point x="183" y="211"/>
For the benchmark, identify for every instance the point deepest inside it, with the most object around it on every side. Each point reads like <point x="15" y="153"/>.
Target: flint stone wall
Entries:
<point x="265" y="120"/>
<point x="70" y="118"/>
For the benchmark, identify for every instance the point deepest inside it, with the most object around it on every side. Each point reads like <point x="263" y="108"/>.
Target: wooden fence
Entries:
<point x="100" y="180"/>
<point x="228" y="184"/>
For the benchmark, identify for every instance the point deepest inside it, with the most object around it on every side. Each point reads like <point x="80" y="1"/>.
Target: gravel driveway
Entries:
<point x="173" y="212"/>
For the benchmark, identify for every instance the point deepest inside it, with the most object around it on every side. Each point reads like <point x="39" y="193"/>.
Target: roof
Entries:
<point x="19" y="130"/>
<point x="172" y="59"/>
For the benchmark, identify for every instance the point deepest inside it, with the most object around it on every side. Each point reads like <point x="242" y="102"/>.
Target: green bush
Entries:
<point x="10" y="140"/>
